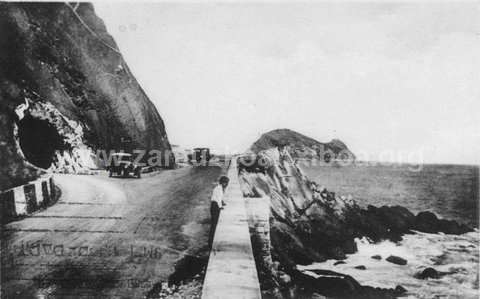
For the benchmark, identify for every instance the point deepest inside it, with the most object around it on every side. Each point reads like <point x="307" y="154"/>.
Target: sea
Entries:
<point x="450" y="191"/>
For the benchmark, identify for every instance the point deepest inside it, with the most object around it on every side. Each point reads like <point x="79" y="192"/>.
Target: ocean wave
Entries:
<point x="456" y="254"/>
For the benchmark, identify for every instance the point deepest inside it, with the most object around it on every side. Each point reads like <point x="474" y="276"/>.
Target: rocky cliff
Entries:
<point x="65" y="90"/>
<point x="301" y="146"/>
<point x="310" y="224"/>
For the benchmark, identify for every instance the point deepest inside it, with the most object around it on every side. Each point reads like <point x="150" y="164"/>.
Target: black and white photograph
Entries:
<point x="240" y="149"/>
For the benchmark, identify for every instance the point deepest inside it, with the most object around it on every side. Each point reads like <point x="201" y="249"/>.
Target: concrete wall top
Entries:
<point x="231" y="271"/>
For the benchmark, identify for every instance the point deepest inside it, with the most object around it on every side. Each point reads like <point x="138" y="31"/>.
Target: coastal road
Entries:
<point x="108" y="237"/>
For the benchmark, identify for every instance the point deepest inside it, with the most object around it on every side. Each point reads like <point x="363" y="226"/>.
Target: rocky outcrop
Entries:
<point x="310" y="224"/>
<point x="65" y="87"/>
<point x="431" y="273"/>
<point x="303" y="147"/>
<point x="396" y="260"/>
<point x="337" y="285"/>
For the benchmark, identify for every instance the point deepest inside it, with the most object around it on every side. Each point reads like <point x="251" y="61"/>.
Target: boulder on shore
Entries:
<point x="429" y="223"/>
<point x="399" y="290"/>
<point x="396" y="260"/>
<point x="430" y="273"/>
<point x="337" y="285"/>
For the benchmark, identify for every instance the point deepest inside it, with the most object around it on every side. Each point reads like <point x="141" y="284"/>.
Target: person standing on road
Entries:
<point x="217" y="204"/>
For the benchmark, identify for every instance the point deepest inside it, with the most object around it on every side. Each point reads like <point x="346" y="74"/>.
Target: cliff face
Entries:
<point x="301" y="146"/>
<point x="310" y="224"/>
<point x="58" y="60"/>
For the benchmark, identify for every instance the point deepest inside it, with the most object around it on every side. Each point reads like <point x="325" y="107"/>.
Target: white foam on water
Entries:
<point x="447" y="253"/>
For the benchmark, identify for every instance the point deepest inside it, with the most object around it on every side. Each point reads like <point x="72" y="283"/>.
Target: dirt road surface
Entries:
<point x="109" y="237"/>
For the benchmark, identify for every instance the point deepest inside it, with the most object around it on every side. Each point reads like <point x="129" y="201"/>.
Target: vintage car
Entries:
<point x="200" y="156"/>
<point x="123" y="164"/>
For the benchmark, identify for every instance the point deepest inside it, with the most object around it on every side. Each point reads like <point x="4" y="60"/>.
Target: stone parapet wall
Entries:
<point x="231" y="271"/>
<point x="26" y="199"/>
<point x="258" y="213"/>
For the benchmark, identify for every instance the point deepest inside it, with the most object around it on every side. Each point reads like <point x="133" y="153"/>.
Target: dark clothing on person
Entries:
<point x="216" y="205"/>
<point x="214" y="215"/>
<point x="214" y="212"/>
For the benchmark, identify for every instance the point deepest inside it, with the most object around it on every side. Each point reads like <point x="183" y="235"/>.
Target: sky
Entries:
<point x="395" y="81"/>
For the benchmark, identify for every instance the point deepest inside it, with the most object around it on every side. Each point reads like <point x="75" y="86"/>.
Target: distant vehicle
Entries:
<point x="121" y="164"/>
<point x="200" y="155"/>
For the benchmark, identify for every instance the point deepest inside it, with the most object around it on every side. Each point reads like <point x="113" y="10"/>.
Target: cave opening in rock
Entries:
<point x="39" y="140"/>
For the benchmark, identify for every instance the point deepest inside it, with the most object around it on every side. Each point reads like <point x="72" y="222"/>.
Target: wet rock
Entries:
<point x="426" y="222"/>
<point x="398" y="219"/>
<point x="328" y="283"/>
<point x="396" y="260"/>
<point x="430" y="273"/>
<point x="429" y="223"/>
<point x="349" y="246"/>
<point x="337" y="253"/>
<point x="452" y="227"/>
<point x="371" y="223"/>
<point x="284" y="279"/>
<point x="400" y="290"/>
<point x="376" y="257"/>
<point x="361" y="267"/>
<point x="290" y="249"/>
<point x="337" y="285"/>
